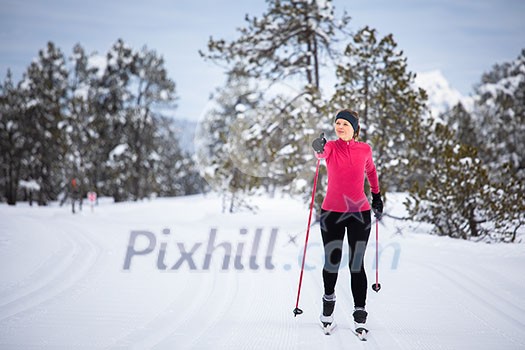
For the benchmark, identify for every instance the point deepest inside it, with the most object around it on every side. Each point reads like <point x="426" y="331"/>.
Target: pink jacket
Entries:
<point x="347" y="162"/>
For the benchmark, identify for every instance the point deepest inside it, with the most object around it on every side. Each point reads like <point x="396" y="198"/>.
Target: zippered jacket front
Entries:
<point x="347" y="163"/>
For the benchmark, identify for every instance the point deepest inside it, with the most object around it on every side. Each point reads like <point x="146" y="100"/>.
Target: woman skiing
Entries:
<point x="346" y="208"/>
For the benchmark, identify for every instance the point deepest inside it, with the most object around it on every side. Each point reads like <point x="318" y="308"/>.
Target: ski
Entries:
<point x="327" y="327"/>
<point x="361" y="333"/>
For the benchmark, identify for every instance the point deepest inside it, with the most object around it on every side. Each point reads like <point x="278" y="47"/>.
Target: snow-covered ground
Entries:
<point x="149" y="275"/>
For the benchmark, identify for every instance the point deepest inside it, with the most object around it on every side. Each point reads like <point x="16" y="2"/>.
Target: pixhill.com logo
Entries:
<point x="145" y="245"/>
<point x="251" y="251"/>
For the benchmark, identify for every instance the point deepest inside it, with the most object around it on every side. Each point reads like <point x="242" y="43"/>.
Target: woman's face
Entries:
<point x="344" y="129"/>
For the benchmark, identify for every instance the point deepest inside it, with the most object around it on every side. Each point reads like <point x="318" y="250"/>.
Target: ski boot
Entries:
<point x="360" y="315"/>
<point x="327" y="316"/>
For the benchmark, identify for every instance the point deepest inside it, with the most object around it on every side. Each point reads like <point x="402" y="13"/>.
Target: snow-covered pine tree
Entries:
<point x="133" y="88"/>
<point x="474" y="184"/>
<point x="80" y="124"/>
<point x="44" y="86"/>
<point x="110" y="120"/>
<point x="458" y="196"/>
<point x="289" y="126"/>
<point x="456" y="189"/>
<point x="14" y="143"/>
<point x="149" y="89"/>
<point x="286" y="47"/>
<point x="506" y="212"/>
<point x="175" y="171"/>
<point x="374" y="80"/>
<point x="464" y="126"/>
<point x="102" y="125"/>
<point x="228" y="150"/>
<point x="500" y="105"/>
<point x="290" y="40"/>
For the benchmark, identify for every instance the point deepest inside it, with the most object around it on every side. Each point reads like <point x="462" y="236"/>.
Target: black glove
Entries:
<point x="318" y="143"/>
<point x="377" y="205"/>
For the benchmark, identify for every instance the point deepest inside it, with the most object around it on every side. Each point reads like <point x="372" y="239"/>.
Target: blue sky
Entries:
<point x="460" y="38"/>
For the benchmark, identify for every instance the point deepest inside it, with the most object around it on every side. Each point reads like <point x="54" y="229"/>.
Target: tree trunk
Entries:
<point x="316" y="64"/>
<point x="12" y="181"/>
<point x="365" y="113"/>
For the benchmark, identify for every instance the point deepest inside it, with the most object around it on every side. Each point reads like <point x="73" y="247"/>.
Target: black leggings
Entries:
<point x="333" y="225"/>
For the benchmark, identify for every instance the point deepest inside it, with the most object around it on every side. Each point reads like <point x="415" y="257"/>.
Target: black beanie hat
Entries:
<point x="349" y="117"/>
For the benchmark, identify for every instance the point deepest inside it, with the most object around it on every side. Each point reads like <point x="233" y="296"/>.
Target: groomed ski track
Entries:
<point x="63" y="285"/>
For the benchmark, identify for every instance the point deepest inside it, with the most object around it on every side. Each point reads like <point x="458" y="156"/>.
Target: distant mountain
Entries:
<point x="441" y="96"/>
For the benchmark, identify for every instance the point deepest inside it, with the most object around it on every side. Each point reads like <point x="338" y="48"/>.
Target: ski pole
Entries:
<point x="298" y="311"/>
<point x="376" y="287"/>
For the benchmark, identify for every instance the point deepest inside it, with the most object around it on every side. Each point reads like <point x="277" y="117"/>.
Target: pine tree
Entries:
<point x="375" y="81"/>
<point x="14" y="143"/>
<point x="226" y="152"/>
<point x="288" y="43"/>
<point x="111" y="97"/>
<point x="133" y="90"/>
<point x="106" y="129"/>
<point x="458" y="197"/>
<point x="80" y="124"/>
<point x="175" y="171"/>
<point x="45" y="89"/>
<point x="289" y="128"/>
<point x="449" y="198"/>
<point x="463" y="124"/>
<point x="290" y="40"/>
<point x="501" y="107"/>
<point x="149" y="88"/>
